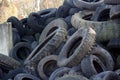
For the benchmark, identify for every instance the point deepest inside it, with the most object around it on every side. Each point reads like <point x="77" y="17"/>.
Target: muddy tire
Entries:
<point x="21" y="51"/>
<point x="76" y="47"/>
<point x="46" y="66"/>
<point x="51" y="27"/>
<point x="105" y="30"/>
<point x="95" y="66"/>
<point x="59" y="73"/>
<point x="82" y="4"/>
<point x="23" y="76"/>
<point x="104" y="56"/>
<point x="48" y="47"/>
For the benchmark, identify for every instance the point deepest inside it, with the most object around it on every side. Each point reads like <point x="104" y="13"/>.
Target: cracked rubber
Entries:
<point x="76" y="47"/>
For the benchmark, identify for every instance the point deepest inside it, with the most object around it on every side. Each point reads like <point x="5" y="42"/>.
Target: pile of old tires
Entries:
<point x="80" y="40"/>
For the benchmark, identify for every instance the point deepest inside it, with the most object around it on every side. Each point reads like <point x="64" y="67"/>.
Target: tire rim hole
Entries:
<point x="97" y="66"/>
<point x="52" y="30"/>
<point x="87" y="17"/>
<point x="49" y="67"/>
<point x="104" y="15"/>
<point x="91" y="0"/>
<point x="27" y="79"/>
<point x="22" y="53"/>
<point x="76" y="43"/>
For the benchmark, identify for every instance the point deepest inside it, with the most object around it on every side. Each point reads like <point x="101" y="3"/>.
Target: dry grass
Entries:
<point x="25" y="7"/>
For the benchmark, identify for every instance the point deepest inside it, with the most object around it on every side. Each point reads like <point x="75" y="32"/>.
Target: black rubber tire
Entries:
<point x="62" y="11"/>
<point x="83" y="4"/>
<point x="16" y="24"/>
<point x="112" y="2"/>
<point x="13" y="73"/>
<point x="51" y="27"/>
<point x="104" y="56"/>
<point x="102" y="13"/>
<point x="76" y="69"/>
<point x="34" y="21"/>
<point x="34" y="44"/>
<point x="46" y="66"/>
<point x="47" y="13"/>
<point x="21" y="51"/>
<point x="71" y="31"/>
<point x="72" y="11"/>
<point x="105" y="30"/>
<point x="68" y="21"/>
<point x="15" y="35"/>
<point x="72" y="77"/>
<point x="76" y="47"/>
<point x="95" y="66"/>
<point x="29" y="31"/>
<point x="1" y="73"/>
<point x="28" y="39"/>
<point x="106" y="75"/>
<point x="37" y="36"/>
<point x="48" y="47"/>
<point x="25" y="76"/>
<point x="69" y="3"/>
<point x="118" y="61"/>
<point x="59" y="73"/>
<point x="49" y="20"/>
<point x="115" y="12"/>
<point x="24" y="21"/>
<point x="8" y="63"/>
<point x="114" y="44"/>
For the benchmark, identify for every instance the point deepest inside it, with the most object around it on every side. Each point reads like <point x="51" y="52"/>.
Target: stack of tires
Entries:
<point x="80" y="40"/>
